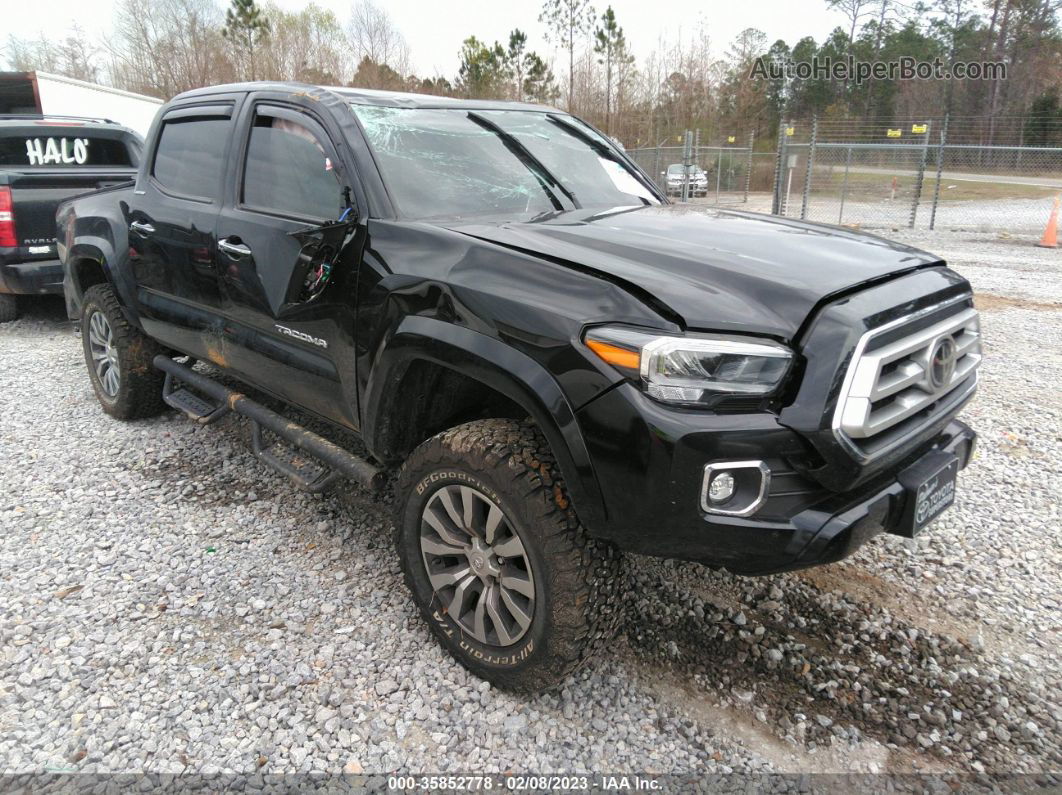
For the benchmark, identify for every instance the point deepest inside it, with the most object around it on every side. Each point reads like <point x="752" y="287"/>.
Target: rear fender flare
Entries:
<point x="99" y="250"/>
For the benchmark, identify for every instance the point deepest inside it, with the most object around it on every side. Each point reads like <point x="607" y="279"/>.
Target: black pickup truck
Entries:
<point x="563" y="364"/>
<point x="43" y="160"/>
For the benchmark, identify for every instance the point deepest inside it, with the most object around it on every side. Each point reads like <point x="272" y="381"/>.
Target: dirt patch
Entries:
<point x="905" y="603"/>
<point x="873" y="679"/>
<point x="699" y="704"/>
<point x="990" y="302"/>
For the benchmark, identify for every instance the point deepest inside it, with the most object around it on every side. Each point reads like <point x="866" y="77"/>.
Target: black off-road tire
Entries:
<point x="139" y="392"/>
<point x="8" y="308"/>
<point x="577" y="579"/>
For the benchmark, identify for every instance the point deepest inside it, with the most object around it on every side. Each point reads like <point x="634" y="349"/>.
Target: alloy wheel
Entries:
<point x="104" y="354"/>
<point x="477" y="565"/>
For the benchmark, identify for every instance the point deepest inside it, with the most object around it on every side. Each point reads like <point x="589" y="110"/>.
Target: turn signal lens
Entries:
<point x="615" y="355"/>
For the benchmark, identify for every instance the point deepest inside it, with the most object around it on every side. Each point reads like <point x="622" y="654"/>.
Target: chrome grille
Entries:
<point x="897" y="383"/>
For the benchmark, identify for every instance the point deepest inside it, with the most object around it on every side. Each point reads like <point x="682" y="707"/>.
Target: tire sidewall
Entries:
<point x="492" y="661"/>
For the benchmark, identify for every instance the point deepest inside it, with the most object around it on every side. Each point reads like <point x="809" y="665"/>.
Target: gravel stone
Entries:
<point x="386" y="687"/>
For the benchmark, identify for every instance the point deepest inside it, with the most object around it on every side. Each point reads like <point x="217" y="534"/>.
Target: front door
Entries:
<point x="172" y="218"/>
<point x="288" y="262"/>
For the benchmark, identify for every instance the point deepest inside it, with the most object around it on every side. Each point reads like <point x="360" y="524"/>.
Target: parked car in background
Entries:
<point x="562" y="364"/>
<point x="698" y="180"/>
<point x="43" y="160"/>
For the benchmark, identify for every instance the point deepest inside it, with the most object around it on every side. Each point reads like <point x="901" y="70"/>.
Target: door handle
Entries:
<point x="141" y="228"/>
<point x="234" y="250"/>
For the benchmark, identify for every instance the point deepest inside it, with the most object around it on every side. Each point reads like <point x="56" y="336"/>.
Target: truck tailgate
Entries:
<point x="35" y="195"/>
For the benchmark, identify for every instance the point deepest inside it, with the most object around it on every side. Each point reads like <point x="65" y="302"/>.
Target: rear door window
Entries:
<point x="190" y="155"/>
<point x="62" y="149"/>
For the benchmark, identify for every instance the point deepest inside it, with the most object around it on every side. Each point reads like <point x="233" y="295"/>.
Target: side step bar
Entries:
<point x="306" y="475"/>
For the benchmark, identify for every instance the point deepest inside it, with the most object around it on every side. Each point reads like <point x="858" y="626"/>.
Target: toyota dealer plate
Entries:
<point x="930" y="486"/>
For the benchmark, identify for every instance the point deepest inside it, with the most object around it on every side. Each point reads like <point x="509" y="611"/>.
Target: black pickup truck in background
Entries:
<point x="563" y="364"/>
<point x="43" y="160"/>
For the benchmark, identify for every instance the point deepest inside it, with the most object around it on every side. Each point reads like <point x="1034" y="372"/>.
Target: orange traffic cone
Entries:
<point x="1050" y="238"/>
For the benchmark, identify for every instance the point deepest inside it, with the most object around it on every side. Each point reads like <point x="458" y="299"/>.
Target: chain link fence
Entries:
<point x="915" y="174"/>
<point x="967" y="173"/>
<point x="722" y="173"/>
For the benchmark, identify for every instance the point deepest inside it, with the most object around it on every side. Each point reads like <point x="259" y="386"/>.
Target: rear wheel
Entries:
<point x="119" y="358"/>
<point x="496" y="559"/>
<point x="8" y="308"/>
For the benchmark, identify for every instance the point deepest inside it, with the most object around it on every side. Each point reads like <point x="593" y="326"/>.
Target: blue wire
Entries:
<point x="346" y="212"/>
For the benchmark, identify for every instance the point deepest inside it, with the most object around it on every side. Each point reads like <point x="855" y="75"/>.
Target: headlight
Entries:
<point x="690" y="370"/>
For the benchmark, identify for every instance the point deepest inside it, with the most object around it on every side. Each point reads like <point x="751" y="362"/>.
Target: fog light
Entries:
<point x="735" y="488"/>
<point x="721" y="488"/>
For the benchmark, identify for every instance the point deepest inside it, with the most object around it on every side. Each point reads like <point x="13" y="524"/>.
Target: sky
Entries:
<point x="435" y="29"/>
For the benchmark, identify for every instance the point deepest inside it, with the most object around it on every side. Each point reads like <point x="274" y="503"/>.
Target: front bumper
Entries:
<point x="34" y="277"/>
<point x="676" y="187"/>
<point x="649" y="461"/>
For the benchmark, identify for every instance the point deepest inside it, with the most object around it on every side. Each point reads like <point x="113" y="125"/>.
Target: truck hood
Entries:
<point x="712" y="269"/>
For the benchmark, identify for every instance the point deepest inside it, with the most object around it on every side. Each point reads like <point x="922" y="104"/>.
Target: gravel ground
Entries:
<point x="168" y="605"/>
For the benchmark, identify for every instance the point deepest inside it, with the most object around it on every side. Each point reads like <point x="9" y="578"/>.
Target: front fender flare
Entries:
<point x="502" y="368"/>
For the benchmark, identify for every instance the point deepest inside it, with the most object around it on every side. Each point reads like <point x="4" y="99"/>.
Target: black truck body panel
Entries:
<point x="716" y="269"/>
<point x="506" y="304"/>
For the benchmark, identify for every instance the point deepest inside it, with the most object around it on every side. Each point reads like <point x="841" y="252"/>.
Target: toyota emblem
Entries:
<point x="942" y="363"/>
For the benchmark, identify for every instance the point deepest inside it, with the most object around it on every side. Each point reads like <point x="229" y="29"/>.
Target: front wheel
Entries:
<point x="496" y="559"/>
<point x="119" y="358"/>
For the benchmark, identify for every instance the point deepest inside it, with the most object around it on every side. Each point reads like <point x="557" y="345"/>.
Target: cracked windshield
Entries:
<point x="507" y="165"/>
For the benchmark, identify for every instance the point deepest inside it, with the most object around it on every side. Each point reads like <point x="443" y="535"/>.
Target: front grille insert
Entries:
<point x="899" y="381"/>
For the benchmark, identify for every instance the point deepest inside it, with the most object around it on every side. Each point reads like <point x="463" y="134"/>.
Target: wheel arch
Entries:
<point x="89" y="261"/>
<point x="519" y="379"/>
<point x="84" y="266"/>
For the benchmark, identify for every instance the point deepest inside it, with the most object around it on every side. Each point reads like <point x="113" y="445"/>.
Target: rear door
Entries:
<point x="287" y="269"/>
<point x="172" y="219"/>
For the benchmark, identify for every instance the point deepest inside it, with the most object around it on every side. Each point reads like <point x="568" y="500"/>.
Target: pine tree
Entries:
<point x="611" y="45"/>
<point x="568" y="21"/>
<point x="246" y="28"/>
<point x="515" y="56"/>
<point x="483" y="70"/>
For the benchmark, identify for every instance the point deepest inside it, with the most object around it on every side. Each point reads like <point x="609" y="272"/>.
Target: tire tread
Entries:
<point x="585" y="573"/>
<point x="140" y="392"/>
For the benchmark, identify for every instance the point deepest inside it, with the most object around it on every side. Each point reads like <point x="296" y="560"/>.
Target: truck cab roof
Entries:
<point x="368" y="96"/>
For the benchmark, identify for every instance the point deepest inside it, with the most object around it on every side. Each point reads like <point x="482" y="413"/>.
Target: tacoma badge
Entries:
<point x="301" y="335"/>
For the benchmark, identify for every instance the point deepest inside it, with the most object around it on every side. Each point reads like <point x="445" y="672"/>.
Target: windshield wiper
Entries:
<point x="600" y="147"/>
<point x="532" y="163"/>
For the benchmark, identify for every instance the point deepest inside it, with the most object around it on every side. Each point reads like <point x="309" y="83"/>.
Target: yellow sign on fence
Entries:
<point x="919" y="128"/>
<point x="790" y="130"/>
<point x="730" y="139"/>
<point x="894" y="133"/>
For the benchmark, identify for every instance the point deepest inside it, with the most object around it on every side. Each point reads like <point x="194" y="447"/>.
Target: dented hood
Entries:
<point x="713" y="269"/>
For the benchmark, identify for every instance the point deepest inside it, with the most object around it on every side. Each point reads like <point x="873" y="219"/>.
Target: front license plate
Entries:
<point x="930" y="486"/>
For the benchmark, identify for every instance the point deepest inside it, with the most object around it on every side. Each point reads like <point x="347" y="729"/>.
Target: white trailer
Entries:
<point x="55" y="95"/>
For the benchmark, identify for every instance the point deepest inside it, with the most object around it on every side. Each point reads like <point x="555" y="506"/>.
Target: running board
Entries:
<point x="322" y="461"/>
<point x="199" y="410"/>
